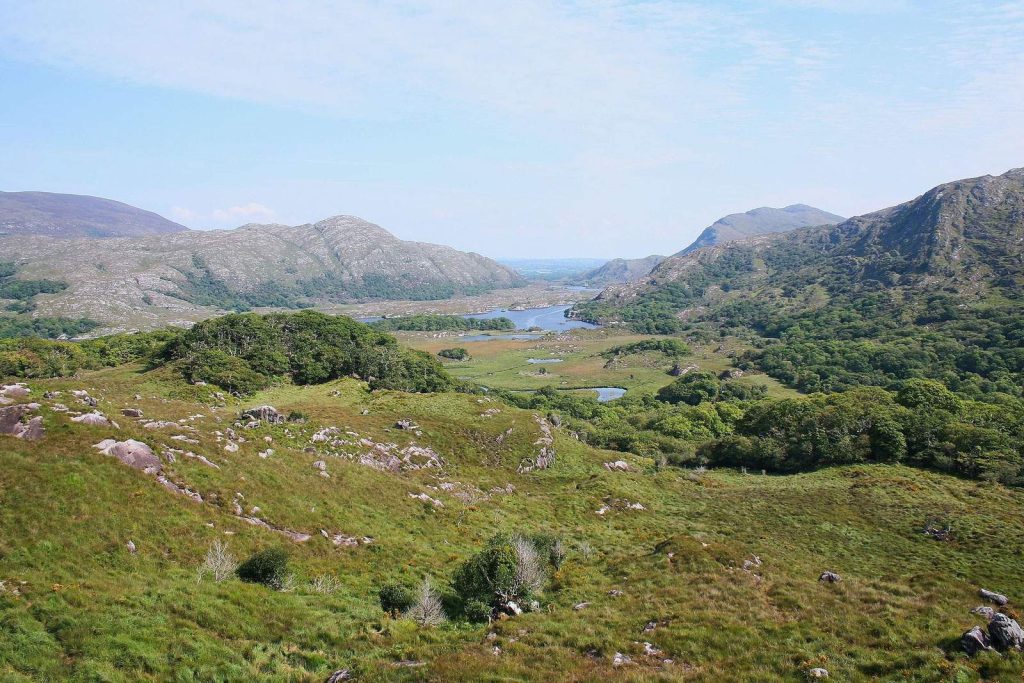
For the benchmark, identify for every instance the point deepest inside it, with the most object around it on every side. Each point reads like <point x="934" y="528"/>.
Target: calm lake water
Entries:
<point x="609" y="393"/>
<point x="549" y="319"/>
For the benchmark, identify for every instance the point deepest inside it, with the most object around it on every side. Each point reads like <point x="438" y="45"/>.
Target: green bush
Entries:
<point x="454" y="354"/>
<point x="394" y="598"/>
<point x="268" y="567"/>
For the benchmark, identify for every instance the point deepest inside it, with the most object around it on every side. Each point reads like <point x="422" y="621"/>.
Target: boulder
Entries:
<point x="94" y="418"/>
<point x="338" y="676"/>
<point x="15" y="390"/>
<point x="997" y="598"/>
<point x="266" y="414"/>
<point x="984" y="611"/>
<point x="132" y="453"/>
<point x="1005" y="633"/>
<point x="406" y="424"/>
<point x="131" y="412"/>
<point x="830" y="577"/>
<point x="974" y="641"/>
<point x="11" y="422"/>
<point x="130" y="545"/>
<point x="818" y="672"/>
<point x="617" y="466"/>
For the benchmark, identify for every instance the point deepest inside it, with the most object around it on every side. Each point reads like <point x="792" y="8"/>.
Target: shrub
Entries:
<point x="477" y="611"/>
<point x="394" y="598"/>
<point x="426" y="609"/>
<point x="509" y="569"/>
<point x="268" y="567"/>
<point x="454" y="354"/>
<point x="219" y="562"/>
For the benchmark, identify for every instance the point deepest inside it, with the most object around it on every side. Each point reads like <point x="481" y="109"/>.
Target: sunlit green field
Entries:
<point x="504" y="363"/>
<point x="76" y="605"/>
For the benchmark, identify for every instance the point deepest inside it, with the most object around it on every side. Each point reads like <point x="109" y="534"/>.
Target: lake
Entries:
<point x="549" y="319"/>
<point x="609" y="393"/>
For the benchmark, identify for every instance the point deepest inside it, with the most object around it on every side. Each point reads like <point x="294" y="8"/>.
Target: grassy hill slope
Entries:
<point x="77" y="605"/>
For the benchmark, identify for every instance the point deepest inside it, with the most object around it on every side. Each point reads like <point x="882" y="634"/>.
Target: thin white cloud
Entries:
<point x="249" y="213"/>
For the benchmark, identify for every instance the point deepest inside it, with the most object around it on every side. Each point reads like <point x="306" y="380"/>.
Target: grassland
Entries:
<point x="504" y="363"/>
<point x="76" y="605"/>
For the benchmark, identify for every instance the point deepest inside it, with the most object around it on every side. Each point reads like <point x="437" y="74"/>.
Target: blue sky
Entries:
<point x="606" y="128"/>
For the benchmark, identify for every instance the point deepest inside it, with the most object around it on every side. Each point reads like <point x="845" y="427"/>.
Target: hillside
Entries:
<point x="762" y="221"/>
<point x="620" y="270"/>
<point x="932" y="284"/>
<point x="110" y="569"/>
<point x="150" y="281"/>
<point x="72" y="215"/>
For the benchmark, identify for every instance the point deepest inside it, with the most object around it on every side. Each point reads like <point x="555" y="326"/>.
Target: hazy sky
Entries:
<point x="526" y="127"/>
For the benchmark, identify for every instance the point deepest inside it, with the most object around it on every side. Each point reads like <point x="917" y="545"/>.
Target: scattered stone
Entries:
<point x="320" y="465"/>
<point x="427" y="499"/>
<point x="266" y="454"/>
<point x="818" y="672"/>
<point x="651" y="651"/>
<point x="95" y="418"/>
<point x="984" y="611"/>
<point x="545" y="456"/>
<point x="617" y="466"/>
<point x="338" y="676"/>
<point x="131" y="412"/>
<point x="1005" y="633"/>
<point x="997" y="598"/>
<point x="132" y="453"/>
<point x="131" y="546"/>
<point x="650" y="626"/>
<point x="11" y="422"/>
<point x="231" y="447"/>
<point x="18" y="390"/>
<point x="49" y="395"/>
<point x="615" y="593"/>
<point x="830" y="577"/>
<point x="266" y="414"/>
<point x="581" y="606"/>
<point x="752" y="563"/>
<point x="620" y="659"/>
<point x="406" y="424"/>
<point x="975" y="640"/>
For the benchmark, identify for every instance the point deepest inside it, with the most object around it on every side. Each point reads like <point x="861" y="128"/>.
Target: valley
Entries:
<point x="757" y="463"/>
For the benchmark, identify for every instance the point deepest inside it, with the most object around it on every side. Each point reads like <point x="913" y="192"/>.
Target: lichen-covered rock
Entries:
<point x="266" y="414"/>
<point x="131" y="412"/>
<point x="11" y="422"/>
<point x="132" y="453"/>
<point x="94" y="418"/>
<point x="997" y="598"/>
<point x="1005" y="633"/>
<point x="975" y="640"/>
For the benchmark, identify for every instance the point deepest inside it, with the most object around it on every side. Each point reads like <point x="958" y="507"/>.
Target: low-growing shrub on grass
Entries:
<point x="394" y="598"/>
<point x="268" y="567"/>
<point x="454" y="354"/>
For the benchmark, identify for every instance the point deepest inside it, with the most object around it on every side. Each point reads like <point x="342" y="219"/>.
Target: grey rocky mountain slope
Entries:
<point x="621" y="270"/>
<point x="72" y="215"/>
<point x="148" y="281"/>
<point x="964" y="237"/>
<point x="761" y="221"/>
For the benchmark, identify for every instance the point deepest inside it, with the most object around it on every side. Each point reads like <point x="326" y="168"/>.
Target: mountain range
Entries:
<point x="736" y="226"/>
<point x="72" y="215"/>
<point x="188" y="275"/>
<point x="964" y="239"/>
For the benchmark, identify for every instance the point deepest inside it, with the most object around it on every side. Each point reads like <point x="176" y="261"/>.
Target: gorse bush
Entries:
<point x="394" y="598"/>
<point x="511" y="569"/>
<point x="268" y="567"/>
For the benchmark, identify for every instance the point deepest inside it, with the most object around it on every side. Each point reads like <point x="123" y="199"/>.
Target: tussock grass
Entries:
<point x="86" y="609"/>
